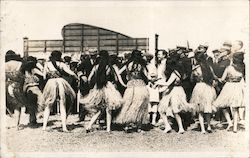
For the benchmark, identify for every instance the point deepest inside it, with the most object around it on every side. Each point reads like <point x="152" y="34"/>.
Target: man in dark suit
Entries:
<point x="219" y="63"/>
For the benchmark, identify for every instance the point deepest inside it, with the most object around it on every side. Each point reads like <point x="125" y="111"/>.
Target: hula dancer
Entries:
<point x="57" y="89"/>
<point x="232" y="94"/>
<point x="203" y="93"/>
<point x="136" y="96"/>
<point x="174" y="98"/>
<point x="104" y="94"/>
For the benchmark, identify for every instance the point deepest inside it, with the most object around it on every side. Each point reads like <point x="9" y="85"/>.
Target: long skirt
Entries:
<point x="58" y="89"/>
<point x="135" y="107"/>
<point x="174" y="102"/>
<point x="98" y="99"/>
<point x="202" y="97"/>
<point x="231" y="95"/>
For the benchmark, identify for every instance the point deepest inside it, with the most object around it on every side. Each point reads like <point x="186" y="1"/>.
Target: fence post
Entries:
<point x="98" y="40"/>
<point x="45" y="47"/>
<point x="25" y="47"/>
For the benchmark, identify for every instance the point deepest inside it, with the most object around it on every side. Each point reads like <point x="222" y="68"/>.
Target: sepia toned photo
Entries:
<point x="124" y="78"/>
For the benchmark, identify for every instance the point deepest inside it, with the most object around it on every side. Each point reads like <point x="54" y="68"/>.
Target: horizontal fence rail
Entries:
<point x="80" y="37"/>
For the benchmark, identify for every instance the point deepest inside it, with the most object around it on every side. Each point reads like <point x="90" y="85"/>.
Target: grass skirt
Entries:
<point x="174" y="102"/>
<point x="58" y="88"/>
<point x="231" y="95"/>
<point x="136" y="100"/>
<point x="202" y="97"/>
<point x="15" y="97"/>
<point x="107" y="97"/>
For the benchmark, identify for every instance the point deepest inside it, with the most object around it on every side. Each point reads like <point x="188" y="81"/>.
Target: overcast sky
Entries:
<point x="210" y="22"/>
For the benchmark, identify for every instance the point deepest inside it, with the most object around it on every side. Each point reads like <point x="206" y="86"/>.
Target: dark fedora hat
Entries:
<point x="216" y="51"/>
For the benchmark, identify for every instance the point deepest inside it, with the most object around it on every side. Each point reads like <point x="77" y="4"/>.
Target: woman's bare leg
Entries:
<point x="17" y="113"/>
<point x="63" y="114"/>
<point x="208" y="118"/>
<point x="235" y="119"/>
<point x="227" y="116"/>
<point x="46" y="117"/>
<point x="109" y="117"/>
<point x="201" y="120"/>
<point x="167" y="125"/>
<point x="179" y="122"/>
<point x="93" y="119"/>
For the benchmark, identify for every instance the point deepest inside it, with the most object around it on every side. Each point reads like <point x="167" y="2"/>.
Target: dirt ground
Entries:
<point x="33" y="139"/>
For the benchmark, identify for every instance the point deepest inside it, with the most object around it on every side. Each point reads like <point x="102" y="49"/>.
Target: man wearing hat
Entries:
<point x="225" y="50"/>
<point x="219" y="63"/>
<point x="236" y="46"/>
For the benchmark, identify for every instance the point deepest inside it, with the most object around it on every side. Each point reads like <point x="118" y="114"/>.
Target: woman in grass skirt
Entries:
<point x="15" y="98"/>
<point x="104" y="95"/>
<point x="203" y="93"/>
<point x="31" y="88"/>
<point x="232" y="94"/>
<point x="57" y="89"/>
<point x="136" y="96"/>
<point x="174" y="98"/>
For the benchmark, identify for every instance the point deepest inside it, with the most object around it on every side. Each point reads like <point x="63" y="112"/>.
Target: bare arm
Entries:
<point x="171" y="79"/>
<point x="38" y="72"/>
<point x="119" y="76"/>
<point x="67" y="70"/>
<point x="92" y="72"/>
<point x="224" y="75"/>
<point x="212" y="70"/>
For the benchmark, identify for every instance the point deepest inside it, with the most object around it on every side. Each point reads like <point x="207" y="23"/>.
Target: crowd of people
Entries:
<point x="131" y="90"/>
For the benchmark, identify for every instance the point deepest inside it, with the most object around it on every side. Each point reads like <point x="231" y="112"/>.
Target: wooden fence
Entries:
<point x="80" y="37"/>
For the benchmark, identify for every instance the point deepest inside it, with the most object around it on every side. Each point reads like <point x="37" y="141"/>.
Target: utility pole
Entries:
<point x="156" y="49"/>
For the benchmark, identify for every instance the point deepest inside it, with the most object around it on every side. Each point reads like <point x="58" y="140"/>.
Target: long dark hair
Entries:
<point x="238" y="63"/>
<point x="205" y="69"/>
<point x="85" y="65"/>
<point x="137" y="59"/>
<point x="11" y="55"/>
<point x="174" y="62"/>
<point x="29" y="64"/>
<point x="104" y="61"/>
